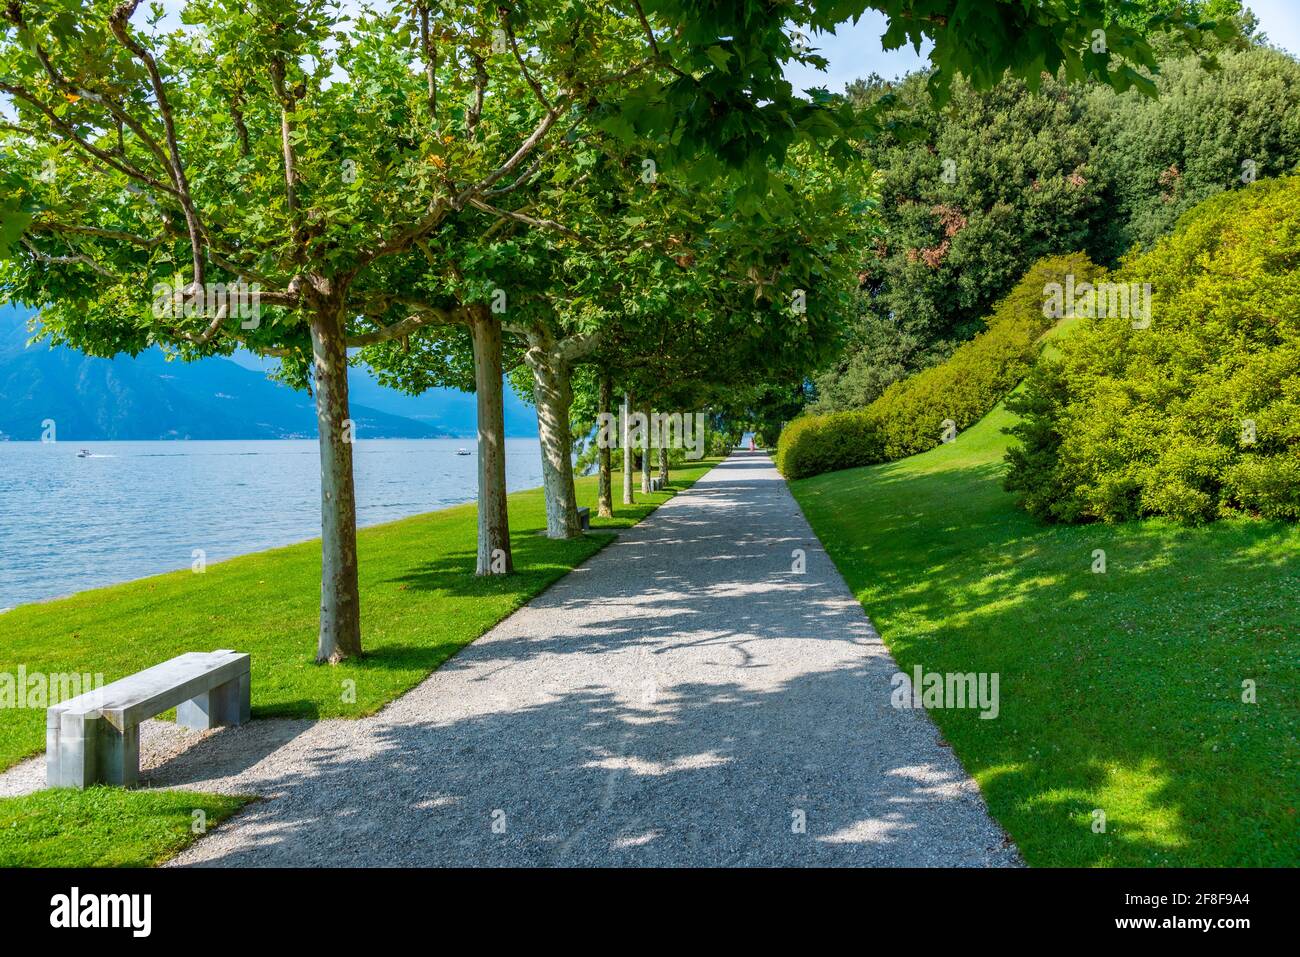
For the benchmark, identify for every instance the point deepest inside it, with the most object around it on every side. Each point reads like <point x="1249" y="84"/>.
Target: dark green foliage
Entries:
<point x="1198" y="415"/>
<point x="881" y="352"/>
<point x="973" y="194"/>
<point x="970" y="197"/>
<point x="1161" y="157"/>
<point x="995" y="182"/>
<point x="912" y="415"/>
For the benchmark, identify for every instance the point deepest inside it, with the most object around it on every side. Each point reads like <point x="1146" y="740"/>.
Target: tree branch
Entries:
<point x="76" y="258"/>
<point x="287" y="105"/>
<point x="430" y="62"/>
<point x="70" y="135"/>
<point x="521" y="154"/>
<point x="475" y="112"/>
<point x="404" y="239"/>
<point x="576" y="347"/>
<point x="654" y="44"/>
<point x="118" y="24"/>
<point x="13" y="13"/>
<point x="523" y="66"/>
<point x="427" y="316"/>
<point x="530" y="220"/>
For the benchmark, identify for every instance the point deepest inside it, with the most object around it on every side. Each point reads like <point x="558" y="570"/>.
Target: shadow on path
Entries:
<point x="683" y="698"/>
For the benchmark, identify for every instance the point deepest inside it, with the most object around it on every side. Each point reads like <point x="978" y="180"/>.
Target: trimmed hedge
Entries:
<point x="1196" y="416"/>
<point x="909" y="416"/>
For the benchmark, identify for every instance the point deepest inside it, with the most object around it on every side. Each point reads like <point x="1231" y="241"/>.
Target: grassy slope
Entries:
<point x="1119" y="691"/>
<point x="104" y="827"/>
<point x="421" y="603"/>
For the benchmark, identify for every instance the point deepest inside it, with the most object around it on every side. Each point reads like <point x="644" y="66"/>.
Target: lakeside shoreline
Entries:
<point x="421" y="602"/>
<point x="135" y="509"/>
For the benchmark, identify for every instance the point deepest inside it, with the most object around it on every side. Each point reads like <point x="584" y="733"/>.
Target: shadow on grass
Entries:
<point x="298" y="708"/>
<point x="1121" y="691"/>
<point x="537" y="559"/>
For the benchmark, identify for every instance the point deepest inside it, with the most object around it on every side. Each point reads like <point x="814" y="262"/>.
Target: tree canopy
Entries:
<point x="301" y="180"/>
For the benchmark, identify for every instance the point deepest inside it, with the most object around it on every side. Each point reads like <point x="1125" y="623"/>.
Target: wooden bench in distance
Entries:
<point x="95" y="737"/>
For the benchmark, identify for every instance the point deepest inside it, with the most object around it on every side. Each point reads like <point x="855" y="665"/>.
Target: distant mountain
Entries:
<point x="448" y="409"/>
<point x="150" y="398"/>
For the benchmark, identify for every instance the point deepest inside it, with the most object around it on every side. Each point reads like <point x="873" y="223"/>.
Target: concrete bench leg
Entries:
<point x="89" y="750"/>
<point x="225" y="705"/>
<point x="119" y="755"/>
<point x="53" y="768"/>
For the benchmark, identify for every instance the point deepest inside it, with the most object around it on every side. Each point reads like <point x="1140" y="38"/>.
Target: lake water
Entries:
<point x="139" y="508"/>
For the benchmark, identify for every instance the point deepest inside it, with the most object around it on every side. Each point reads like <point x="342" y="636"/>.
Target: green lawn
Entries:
<point x="1119" y="691"/>
<point x="105" y="827"/>
<point x="421" y="603"/>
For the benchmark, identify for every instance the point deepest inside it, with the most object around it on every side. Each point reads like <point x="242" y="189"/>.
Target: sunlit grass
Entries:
<point x="1120" y="692"/>
<point x="420" y="600"/>
<point x="105" y="827"/>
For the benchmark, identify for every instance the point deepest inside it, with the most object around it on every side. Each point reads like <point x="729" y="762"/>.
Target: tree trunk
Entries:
<point x="340" y="602"/>
<point x="645" y="455"/>
<point x="494" y="557"/>
<point x="663" y="465"/>
<point x="605" y="498"/>
<point x="627" y="451"/>
<point x="554" y="394"/>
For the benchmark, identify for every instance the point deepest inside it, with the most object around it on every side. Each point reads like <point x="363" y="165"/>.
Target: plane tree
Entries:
<point x="750" y="289"/>
<point x="278" y="150"/>
<point x="284" y="146"/>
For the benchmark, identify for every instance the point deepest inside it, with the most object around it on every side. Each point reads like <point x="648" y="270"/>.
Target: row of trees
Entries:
<point x="447" y="190"/>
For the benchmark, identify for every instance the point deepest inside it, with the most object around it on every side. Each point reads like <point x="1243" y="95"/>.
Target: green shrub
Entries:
<point x="813" y="444"/>
<point x="1197" y="415"/>
<point x="910" y="415"/>
<point x="1004" y="176"/>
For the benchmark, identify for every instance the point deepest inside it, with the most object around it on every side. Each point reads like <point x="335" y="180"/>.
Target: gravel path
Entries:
<point x="683" y="698"/>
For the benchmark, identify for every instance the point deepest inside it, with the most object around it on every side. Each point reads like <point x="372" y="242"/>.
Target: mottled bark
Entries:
<point x="553" y="393"/>
<point x="605" y="496"/>
<point x="340" y="603"/>
<point x="494" y="556"/>
<point x="663" y="465"/>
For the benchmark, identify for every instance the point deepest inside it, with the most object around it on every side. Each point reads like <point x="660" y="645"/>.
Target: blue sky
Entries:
<point x="854" y="50"/>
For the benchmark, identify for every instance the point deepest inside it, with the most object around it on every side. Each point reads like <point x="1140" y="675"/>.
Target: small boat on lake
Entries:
<point x="463" y="452"/>
<point x="84" y="454"/>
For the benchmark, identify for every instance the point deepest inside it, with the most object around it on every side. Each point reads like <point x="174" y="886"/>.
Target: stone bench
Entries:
<point x="584" y="518"/>
<point x="656" y="484"/>
<point x="95" y="737"/>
